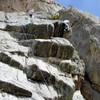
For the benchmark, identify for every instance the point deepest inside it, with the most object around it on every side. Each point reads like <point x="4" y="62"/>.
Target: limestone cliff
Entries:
<point x="36" y="60"/>
<point x="46" y="59"/>
<point x="44" y="8"/>
<point x="86" y="39"/>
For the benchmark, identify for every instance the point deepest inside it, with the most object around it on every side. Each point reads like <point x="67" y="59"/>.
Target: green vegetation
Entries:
<point x="56" y="16"/>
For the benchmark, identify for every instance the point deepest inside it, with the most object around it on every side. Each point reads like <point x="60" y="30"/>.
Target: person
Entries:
<point x="30" y="12"/>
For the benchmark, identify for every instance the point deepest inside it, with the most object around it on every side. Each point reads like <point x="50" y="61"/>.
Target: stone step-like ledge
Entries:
<point x="14" y="90"/>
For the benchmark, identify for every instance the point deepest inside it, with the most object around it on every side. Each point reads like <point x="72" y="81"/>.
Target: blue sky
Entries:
<point x="91" y="6"/>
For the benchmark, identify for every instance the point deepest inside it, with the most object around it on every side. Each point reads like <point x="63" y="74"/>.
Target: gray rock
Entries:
<point x="43" y="30"/>
<point x="56" y="47"/>
<point x="7" y="59"/>
<point x="68" y="66"/>
<point x="43" y="7"/>
<point x="35" y="74"/>
<point x="14" y="90"/>
<point x="30" y="28"/>
<point x="21" y="50"/>
<point x="51" y="80"/>
<point x="14" y="82"/>
<point x="86" y="90"/>
<point x="48" y="74"/>
<point x="86" y="39"/>
<point x="78" y="96"/>
<point x="10" y="44"/>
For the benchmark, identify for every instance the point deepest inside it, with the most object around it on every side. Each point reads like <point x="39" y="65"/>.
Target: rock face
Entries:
<point x="43" y="8"/>
<point x="37" y="62"/>
<point x="86" y="39"/>
<point x="56" y="47"/>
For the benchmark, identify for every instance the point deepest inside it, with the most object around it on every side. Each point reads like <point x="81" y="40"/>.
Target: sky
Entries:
<point x="90" y="6"/>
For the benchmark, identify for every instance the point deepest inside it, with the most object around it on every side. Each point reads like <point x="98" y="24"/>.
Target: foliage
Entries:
<point x="56" y="16"/>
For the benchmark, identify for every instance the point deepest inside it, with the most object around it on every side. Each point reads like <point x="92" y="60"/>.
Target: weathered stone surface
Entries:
<point x="44" y="8"/>
<point x="10" y="44"/>
<point x="43" y="30"/>
<point x="17" y="80"/>
<point x="53" y="80"/>
<point x="24" y="64"/>
<point x="56" y="47"/>
<point x="10" y="61"/>
<point x="77" y="96"/>
<point x="31" y="31"/>
<point x="86" y="90"/>
<point x="53" y="60"/>
<point x="89" y="92"/>
<point x="29" y="28"/>
<point x="68" y="66"/>
<point x="35" y="74"/>
<point x="43" y="72"/>
<point x="12" y="89"/>
<point x="86" y="39"/>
